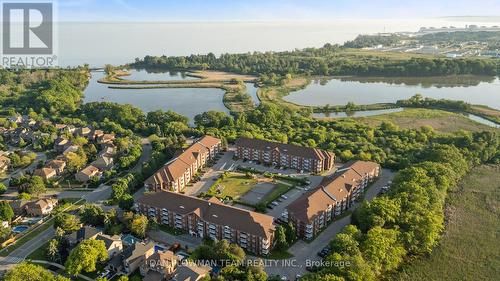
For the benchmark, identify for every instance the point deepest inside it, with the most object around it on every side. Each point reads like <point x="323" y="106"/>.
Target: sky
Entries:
<point x="269" y="10"/>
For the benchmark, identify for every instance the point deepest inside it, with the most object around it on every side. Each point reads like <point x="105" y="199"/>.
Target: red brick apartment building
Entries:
<point x="177" y="173"/>
<point x="287" y="155"/>
<point x="312" y="211"/>
<point x="252" y="231"/>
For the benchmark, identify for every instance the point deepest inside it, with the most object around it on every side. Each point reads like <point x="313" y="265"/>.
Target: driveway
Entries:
<point x="40" y="157"/>
<point x="101" y="193"/>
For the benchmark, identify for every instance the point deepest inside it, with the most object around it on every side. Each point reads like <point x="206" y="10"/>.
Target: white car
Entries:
<point x="284" y="196"/>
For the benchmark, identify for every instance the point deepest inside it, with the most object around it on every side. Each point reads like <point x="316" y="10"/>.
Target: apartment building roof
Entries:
<point x="331" y="190"/>
<point x="176" y="168"/>
<point x="212" y="211"/>
<point x="209" y="141"/>
<point x="295" y="150"/>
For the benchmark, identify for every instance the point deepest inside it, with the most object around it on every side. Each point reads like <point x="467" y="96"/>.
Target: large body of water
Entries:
<point x="340" y="91"/>
<point x="186" y="101"/>
<point x="99" y="43"/>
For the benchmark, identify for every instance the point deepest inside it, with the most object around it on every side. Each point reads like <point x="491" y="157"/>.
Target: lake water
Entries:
<point x="361" y="113"/>
<point x="99" y="43"/>
<point x="157" y="75"/>
<point x="340" y="91"/>
<point x="252" y="91"/>
<point x="186" y="101"/>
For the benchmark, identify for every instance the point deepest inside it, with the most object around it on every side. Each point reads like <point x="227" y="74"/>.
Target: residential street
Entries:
<point x="101" y="193"/>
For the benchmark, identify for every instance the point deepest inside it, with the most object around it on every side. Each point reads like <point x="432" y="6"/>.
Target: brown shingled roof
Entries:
<point x="331" y="190"/>
<point x="306" y="152"/>
<point x="209" y="141"/>
<point x="212" y="211"/>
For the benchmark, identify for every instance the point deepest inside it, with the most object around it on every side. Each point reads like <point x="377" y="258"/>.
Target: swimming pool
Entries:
<point x="20" y="228"/>
<point x="130" y="239"/>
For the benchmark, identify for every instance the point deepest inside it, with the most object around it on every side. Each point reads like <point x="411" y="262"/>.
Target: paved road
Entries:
<point x="145" y="156"/>
<point x="40" y="156"/>
<point x="305" y="253"/>
<point x="101" y="193"/>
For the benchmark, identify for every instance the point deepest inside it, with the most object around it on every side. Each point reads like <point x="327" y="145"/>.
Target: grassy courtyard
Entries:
<point x="234" y="185"/>
<point x="469" y="249"/>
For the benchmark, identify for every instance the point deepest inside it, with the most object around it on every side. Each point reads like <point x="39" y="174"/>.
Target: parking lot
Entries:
<point x="227" y="163"/>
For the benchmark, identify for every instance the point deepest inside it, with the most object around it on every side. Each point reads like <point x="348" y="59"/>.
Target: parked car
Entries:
<point x="274" y="203"/>
<point x="284" y="196"/>
<point x="104" y="273"/>
<point x="270" y="206"/>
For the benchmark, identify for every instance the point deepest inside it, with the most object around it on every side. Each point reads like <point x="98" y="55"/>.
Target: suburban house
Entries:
<point x="85" y="232"/>
<point x="60" y="144"/>
<point x="19" y="206"/>
<point x="285" y="155"/>
<point x="159" y="266"/>
<point x="103" y="162"/>
<point x="135" y="255"/>
<point x="190" y="271"/>
<point x="178" y="172"/>
<point x="311" y="212"/>
<point x="57" y="164"/>
<point x="96" y="134"/>
<point x="87" y="173"/>
<point x="45" y="173"/>
<point x="71" y="148"/>
<point x="83" y="131"/>
<point x="4" y="163"/>
<point x="41" y="207"/>
<point x="113" y="244"/>
<point x="106" y="139"/>
<point x="252" y="231"/>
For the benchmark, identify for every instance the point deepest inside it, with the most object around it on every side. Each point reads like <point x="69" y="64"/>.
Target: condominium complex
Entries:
<point x="250" y="230"/>
<point x="312" y="211"/>
<point x="285" y="155"/>
<point x="178" y="172"/>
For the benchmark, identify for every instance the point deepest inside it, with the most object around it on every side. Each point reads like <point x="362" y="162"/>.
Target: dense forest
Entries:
<point x="327" y="60"/>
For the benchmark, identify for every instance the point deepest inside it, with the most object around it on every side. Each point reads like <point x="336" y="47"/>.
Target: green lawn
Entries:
<point x="39" y="254"/>
<point x="279" y="255"/>
<point x="236" y="185"/>
<point x="470" y="248"/>
<point x="4" y="252"/>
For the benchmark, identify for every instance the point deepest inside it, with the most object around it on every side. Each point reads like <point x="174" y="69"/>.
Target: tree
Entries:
<point x="139" y="225"/>
<point x="31" y="272"/>
<point x="6" y="212"/>
<point x="109" y="69"/>
<point x="3" y="188"/>
<point x="36" y="186"/>
<point x="67" y="222"/>
<point x="75" y="161"/>
<point x="126" y="202"/>
<point x="291" y="233"/>
<point x="85" y="256"/>
<point x="52" y="251"/>
<point x="92" y="214"/>
<point x="382" y="249"/>
<point x="281" y="243"/>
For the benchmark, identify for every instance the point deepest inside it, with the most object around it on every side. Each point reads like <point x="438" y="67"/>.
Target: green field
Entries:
<point x="470" y="248"/>
<point x="414" y="118"/>
<point x="235" y="185"/>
